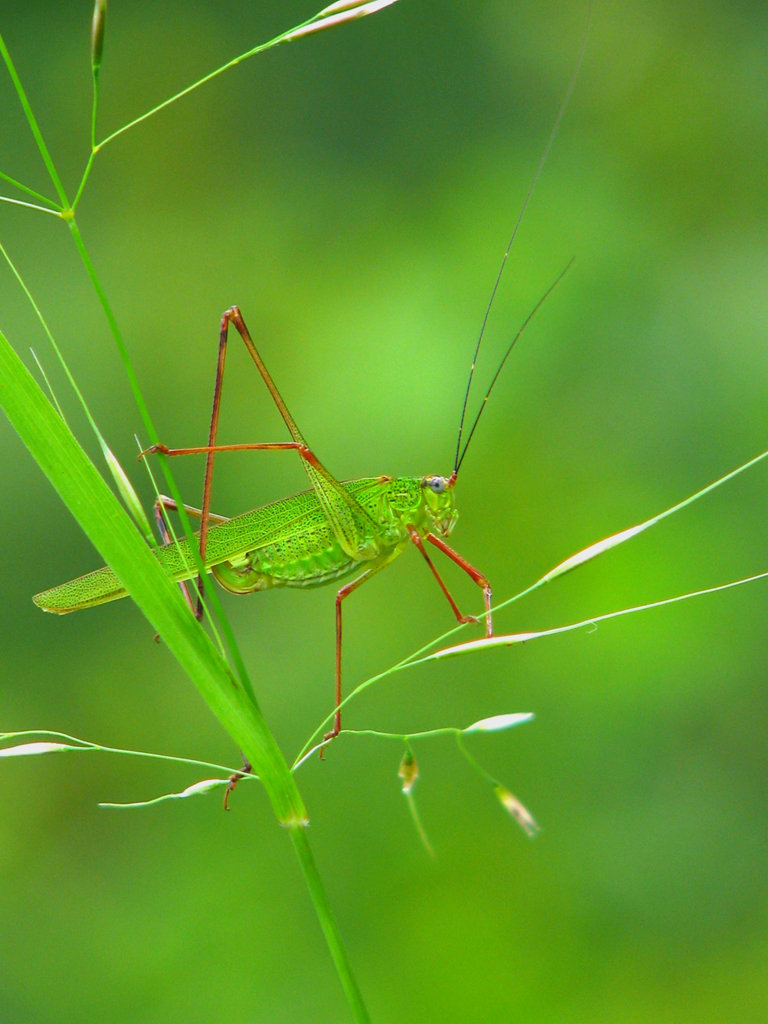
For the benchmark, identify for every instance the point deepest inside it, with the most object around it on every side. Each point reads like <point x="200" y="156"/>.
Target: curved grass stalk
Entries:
<point x="336" y="14"/>
<point x="29" y="206"/>
<point x="62" y="742"/>
<point x="507" y="640"/>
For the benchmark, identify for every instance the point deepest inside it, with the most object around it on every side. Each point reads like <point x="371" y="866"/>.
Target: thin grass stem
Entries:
<point x="54" y="207"/>
<point x="33" y="125"/>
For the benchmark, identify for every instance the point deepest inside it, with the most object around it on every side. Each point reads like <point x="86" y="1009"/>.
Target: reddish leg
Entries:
<point x="235" y="778"/>
<point x="470" y="570"/>
<point x="320" y="478"/>
<point x="163" y="502"/>
<point x="376" y="567"/>
<point x="345" y="591"/>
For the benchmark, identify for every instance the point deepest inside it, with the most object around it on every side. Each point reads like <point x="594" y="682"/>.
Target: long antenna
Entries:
<point x="500" y="367"/>
<point x="459" y="457"/>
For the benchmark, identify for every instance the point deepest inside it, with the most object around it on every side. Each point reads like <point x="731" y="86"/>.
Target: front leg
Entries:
<point x="469" y="569"/>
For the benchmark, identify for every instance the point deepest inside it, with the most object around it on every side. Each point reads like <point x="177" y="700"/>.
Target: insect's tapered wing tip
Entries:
<point x="40" y="601"/>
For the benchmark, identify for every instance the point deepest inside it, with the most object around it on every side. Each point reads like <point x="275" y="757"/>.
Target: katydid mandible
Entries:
<point x="333" y="530"/>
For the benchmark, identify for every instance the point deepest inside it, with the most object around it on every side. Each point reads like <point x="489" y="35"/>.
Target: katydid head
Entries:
<point x="438" y="503"/>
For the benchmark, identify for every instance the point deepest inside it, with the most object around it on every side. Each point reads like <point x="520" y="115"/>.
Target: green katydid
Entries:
<point x="333" y="530"/>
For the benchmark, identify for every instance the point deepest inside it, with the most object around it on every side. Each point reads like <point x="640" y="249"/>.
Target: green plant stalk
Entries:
<point x="32" y="122"/>
<point x="65" y="743"/>
<point x="109" y="527"/>
<point x="329" y="17"/>
<point x="328" y="924"/>
<point x="508" y="639"/>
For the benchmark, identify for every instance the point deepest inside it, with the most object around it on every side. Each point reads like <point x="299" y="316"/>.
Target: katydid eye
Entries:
<point x="437" y="484"/>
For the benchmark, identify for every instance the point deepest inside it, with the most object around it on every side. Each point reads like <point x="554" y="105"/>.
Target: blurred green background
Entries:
<point x="353" y="192"/>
